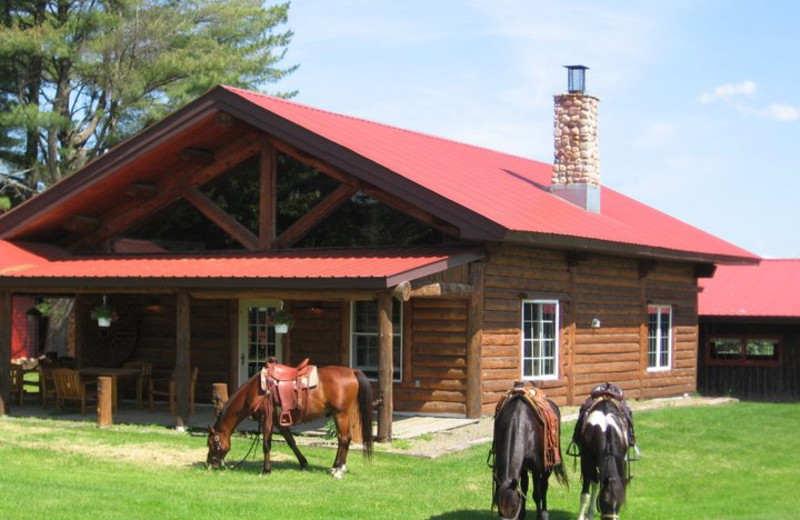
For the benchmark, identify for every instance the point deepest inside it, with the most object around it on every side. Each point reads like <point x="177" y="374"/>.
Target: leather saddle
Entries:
<point x="288" y="387"/>
<point x="540" y="405"/>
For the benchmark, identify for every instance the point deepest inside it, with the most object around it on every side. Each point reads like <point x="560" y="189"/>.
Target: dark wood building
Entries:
<point x="750" y="332"/>
<point x="455" y="269"/>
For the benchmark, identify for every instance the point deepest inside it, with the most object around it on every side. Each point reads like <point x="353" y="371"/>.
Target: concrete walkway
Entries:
<point x="403" y="426"/>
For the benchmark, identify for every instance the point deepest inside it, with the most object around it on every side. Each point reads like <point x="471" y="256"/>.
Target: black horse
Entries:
<point x="603" y="443"/>
<point x="518" y="448"/>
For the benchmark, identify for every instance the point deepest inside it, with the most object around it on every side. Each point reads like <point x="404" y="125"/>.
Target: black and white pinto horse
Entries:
<point x="518" y="448"/>
<point x="603" y="448"/>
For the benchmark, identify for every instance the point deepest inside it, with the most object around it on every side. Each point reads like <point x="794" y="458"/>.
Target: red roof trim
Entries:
<point x="26" y="264"/>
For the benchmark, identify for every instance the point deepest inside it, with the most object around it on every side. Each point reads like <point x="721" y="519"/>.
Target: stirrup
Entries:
<point x="634" y="454"/>
<point x="573" y="450"/>
<point x="285" y="418"/>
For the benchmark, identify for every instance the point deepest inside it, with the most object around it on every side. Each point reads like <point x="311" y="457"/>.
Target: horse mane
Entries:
<point x="612" y="464"/>
<point x="234" y="398"/>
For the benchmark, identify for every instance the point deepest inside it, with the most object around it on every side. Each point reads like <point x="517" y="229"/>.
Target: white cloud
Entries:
<point x="729" y="93"/>
<point x="779" y="112"/>
<point x="729" y="90"/>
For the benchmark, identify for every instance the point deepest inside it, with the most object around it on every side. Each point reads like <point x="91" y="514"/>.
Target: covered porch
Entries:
<point x="181" y="313"/>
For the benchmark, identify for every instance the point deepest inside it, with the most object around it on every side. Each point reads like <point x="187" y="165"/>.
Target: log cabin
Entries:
<point x="444" y="271"/>
<point x="750" y="332"/>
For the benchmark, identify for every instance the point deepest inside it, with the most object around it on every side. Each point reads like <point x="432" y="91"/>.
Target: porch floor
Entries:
<point x="404" y="426"/>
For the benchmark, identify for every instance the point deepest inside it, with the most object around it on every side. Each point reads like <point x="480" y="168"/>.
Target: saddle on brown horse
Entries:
<point x="288" y="386"/>
<point x="544" y="412"/>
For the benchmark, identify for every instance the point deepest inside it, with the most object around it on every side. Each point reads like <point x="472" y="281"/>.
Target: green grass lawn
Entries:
<point x="721" y="462"/>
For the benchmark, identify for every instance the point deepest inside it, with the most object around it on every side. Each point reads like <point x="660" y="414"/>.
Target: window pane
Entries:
<point x="365" y="339"/>
<point x="726" y="348"/>
<point x="539" y="339"/>
<point x="659" y="336"/>
<point x="762" y="349"/>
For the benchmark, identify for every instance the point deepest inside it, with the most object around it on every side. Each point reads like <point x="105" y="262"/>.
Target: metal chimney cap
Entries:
<point x="576" y="78"/>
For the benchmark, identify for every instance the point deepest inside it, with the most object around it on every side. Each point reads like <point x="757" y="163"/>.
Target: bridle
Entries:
<point x="609" y="516"/>
<point x="216" y="447"/>
<point x="497" y="486"/>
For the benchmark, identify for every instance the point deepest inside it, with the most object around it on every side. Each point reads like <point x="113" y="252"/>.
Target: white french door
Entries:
<point x="257" y="339"/>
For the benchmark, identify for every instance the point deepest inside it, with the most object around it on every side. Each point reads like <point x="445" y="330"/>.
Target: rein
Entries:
<point x="253" y="445"/>
<point x="262" y="401"/>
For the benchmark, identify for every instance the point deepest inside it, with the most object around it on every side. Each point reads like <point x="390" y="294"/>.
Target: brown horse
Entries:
<point x="342" y="392"/>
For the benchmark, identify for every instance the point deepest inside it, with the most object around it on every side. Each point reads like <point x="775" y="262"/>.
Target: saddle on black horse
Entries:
<point x="544" y="412"/>
<point x="288" y="388"/>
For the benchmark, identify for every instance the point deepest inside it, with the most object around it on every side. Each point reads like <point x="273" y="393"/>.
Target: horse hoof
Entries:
<point x="338" y="473"/>
<point x="544" y="515"/>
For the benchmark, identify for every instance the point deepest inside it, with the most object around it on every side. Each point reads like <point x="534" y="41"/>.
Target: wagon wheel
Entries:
<point x="111" y="346"/>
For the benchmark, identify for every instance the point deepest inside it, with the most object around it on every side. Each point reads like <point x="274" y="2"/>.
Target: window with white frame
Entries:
<point x="365" y="341"/>
<point x="659" y="337"/>
<point x="540" y="328"/>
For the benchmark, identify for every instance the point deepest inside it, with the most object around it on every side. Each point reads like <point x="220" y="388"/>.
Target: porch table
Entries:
<point x="114" y="374"/>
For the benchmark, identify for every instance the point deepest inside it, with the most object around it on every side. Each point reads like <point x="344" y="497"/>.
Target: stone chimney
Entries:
<point x="576" y="168"/>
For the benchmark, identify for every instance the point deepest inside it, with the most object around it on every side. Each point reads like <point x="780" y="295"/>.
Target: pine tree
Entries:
<point x="78" y="76"/>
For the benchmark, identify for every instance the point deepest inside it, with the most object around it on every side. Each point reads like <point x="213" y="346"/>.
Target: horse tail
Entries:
<point x="561" y="474"/>
<point x="559" y="469"/>
<point x="365" y="411"/>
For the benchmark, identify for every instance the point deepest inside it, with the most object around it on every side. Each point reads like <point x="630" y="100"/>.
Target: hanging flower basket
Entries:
<point x="281" y="320"/>
<point x="103" y="313"/>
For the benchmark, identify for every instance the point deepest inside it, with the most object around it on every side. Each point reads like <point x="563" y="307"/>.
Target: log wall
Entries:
<point x="614" y="290"/>
<point x="435" y="358"/>
<point x="319" y="333"/>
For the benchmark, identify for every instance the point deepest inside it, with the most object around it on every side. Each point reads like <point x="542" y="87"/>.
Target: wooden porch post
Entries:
<point x="474" y="340"/>
<point x="386" y="367"/>
<point x="5" y="350"/>
<point x="183" y="338"/>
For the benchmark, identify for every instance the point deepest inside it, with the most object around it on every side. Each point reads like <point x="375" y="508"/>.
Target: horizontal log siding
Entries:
<point x="675" y="284"/>
<point x="435" y="366"/>
<point x="607" y="288"/>
<point x="210" y="342"/>
<point x="317" y="333"/>
<point x="511" y="272"/>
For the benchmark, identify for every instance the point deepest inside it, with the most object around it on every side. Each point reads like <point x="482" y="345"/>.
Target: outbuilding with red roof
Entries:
<point x="750" y="331"/>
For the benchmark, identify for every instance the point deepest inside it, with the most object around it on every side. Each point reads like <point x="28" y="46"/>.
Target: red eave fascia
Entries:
<point x="336" y="268"/>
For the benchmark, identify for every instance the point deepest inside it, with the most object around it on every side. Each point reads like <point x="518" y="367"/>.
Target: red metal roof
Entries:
<point x="509" y="190"/>
<point x="488" y="196"/>
<point x="770" y="289"/>
<point x="369" y="268"/>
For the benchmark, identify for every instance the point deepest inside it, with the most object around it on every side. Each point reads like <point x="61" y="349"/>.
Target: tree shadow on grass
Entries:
<point x="469" y="514"/>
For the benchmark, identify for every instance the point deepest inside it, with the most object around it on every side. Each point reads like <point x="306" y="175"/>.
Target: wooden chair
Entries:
<point x="69" y="387"/>
<point x="169" y="388"/>
<point x="17" y="382"/>
<point x="143" y="381"/>
<point x="47" y="387"/>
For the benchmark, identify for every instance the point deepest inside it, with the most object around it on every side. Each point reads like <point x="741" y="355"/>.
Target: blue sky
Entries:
<point x="699" y="100"/>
